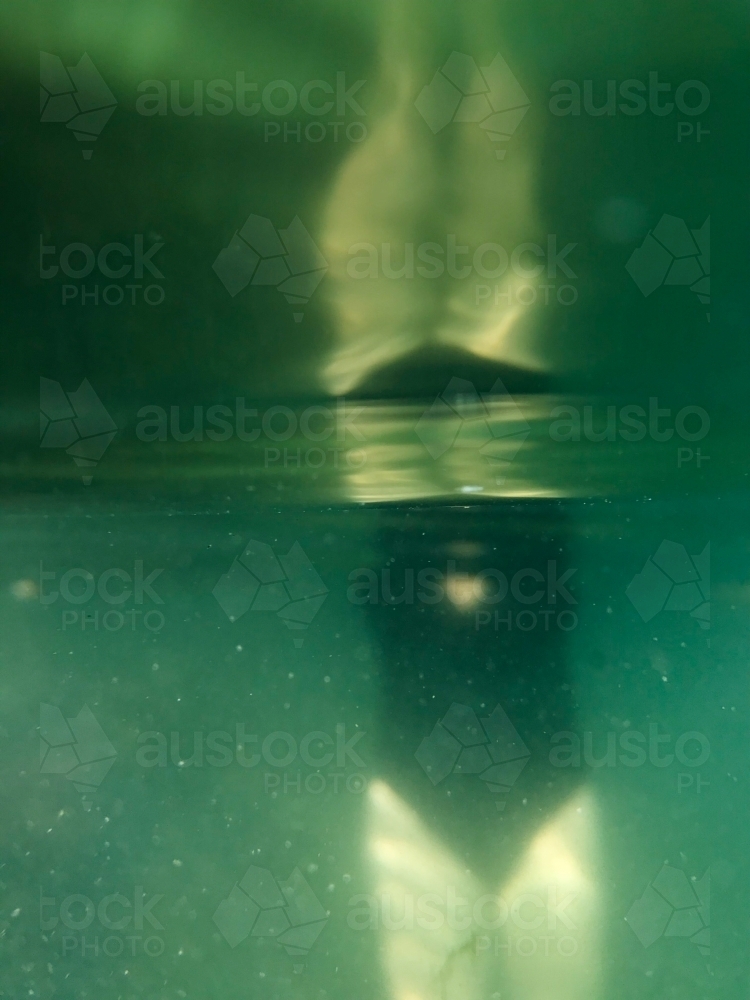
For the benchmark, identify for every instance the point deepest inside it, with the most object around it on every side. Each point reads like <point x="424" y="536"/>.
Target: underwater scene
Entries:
<point x="375" y="573"/>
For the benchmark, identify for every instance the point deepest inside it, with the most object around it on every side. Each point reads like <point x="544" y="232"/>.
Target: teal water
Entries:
<point x="592" y="827"/>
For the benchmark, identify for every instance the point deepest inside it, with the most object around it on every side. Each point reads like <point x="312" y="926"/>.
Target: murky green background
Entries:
<point x="189" y="832"/>
<point x="384" y="671"/>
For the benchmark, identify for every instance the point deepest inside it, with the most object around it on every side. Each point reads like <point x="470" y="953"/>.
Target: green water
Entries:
<point x="385" y="672"/>
<point x="373" y="588"/>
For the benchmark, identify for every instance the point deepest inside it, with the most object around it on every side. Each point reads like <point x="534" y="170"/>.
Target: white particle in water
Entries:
<point x="177" y="863"/>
